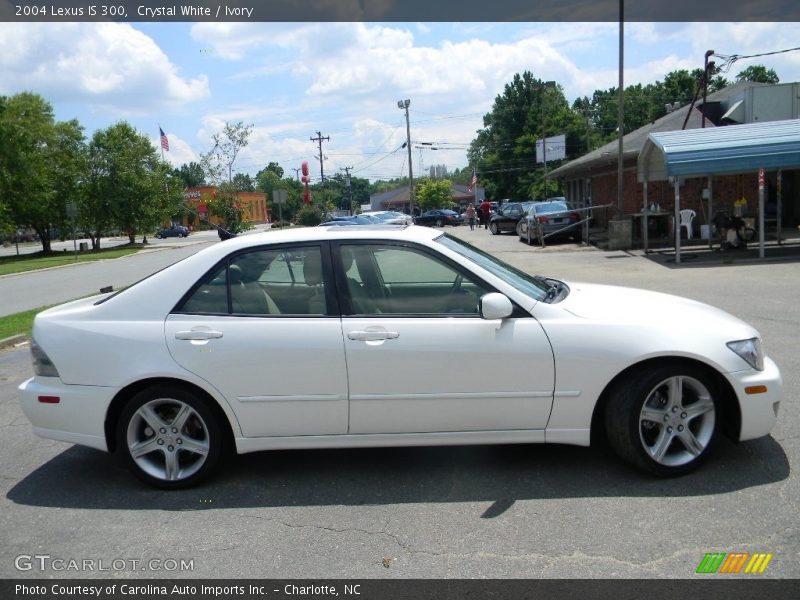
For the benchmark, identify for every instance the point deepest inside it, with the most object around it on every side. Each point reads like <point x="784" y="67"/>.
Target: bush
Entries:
<point x="309" y="216"/>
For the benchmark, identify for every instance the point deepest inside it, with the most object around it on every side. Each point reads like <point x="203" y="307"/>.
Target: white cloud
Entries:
<point x="108" y="65"/>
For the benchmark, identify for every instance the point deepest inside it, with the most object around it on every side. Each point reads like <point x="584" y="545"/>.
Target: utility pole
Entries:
<point x="404" y="104"/>
<point x="320" y="139"/>
<point x="349" y="188"/>
<point x="297" y="173"/>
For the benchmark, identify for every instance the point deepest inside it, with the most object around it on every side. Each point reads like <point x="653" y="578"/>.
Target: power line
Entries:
<point x="732" y="58"/>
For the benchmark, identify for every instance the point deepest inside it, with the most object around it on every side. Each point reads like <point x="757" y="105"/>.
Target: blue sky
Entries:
<point x="344" y="79"/>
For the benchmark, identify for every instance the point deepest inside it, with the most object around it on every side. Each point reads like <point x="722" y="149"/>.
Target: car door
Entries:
<point x="419" y="356"/>
<point x="263" y="328"/>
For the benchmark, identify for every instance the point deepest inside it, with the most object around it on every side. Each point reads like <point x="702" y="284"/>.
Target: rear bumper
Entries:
<point x="78" y="417"/>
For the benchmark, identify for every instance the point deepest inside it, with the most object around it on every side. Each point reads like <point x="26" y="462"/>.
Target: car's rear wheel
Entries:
<point x="494" y="228"/>
<point x="169" y="438"/>
<point x="439" y="223"/>
<point x="665" y="420"/>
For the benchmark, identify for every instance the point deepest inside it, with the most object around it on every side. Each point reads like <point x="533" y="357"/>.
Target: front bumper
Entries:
<point x="759" y="410"/>
<point x="78" y="417"/>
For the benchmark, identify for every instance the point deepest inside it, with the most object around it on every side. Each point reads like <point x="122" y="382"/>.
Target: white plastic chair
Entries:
<point x="687" y="216"/>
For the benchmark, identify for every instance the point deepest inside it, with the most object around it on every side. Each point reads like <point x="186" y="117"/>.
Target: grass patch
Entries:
<point x="18" y="323"/>
<point x="33" y="262"/>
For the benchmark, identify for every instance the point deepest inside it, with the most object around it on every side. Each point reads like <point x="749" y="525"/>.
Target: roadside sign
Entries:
<point x="279" y="197"/>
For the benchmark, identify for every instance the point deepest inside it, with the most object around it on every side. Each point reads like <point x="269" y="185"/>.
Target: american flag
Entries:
<point x="164" y="140"/>
<point x="472" y="181"/>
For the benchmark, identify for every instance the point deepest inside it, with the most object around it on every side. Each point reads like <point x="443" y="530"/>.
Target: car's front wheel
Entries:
<point x="494" y="228"/>
<point x="169" y="437"/>
<point x="665" y="420"/>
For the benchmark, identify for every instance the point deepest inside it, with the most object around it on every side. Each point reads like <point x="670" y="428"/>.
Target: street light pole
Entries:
<point x="404" y="104"/>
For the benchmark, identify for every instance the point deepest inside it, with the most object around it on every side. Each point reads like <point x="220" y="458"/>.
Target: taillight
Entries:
<point x="42" y="365"/>
<point x="542" y="219"/>
<point x="574" y="217"/>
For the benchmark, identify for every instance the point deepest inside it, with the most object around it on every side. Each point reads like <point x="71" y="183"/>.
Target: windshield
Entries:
<point x="534" y="286"/>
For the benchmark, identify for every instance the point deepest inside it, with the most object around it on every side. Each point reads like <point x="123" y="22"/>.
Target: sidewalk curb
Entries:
<point x="14" y="340"/>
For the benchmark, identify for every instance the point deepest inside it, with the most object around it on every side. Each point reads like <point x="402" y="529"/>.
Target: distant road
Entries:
<point x="34" y="289"/>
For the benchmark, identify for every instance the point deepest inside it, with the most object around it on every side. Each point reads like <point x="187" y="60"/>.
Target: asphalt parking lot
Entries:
<point x="461" y="512"/>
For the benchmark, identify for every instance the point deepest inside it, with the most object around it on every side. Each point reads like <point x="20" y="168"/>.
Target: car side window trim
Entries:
<point x="347" y="307"/>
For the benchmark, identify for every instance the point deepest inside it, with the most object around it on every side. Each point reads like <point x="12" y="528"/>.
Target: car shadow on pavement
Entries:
<point x="89" y="479"/>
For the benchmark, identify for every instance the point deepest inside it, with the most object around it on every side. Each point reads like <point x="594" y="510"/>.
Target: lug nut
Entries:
<point x="160" y="442"/>
<point x="680" y="427"/>
<point x="170" y="448"/>
<point x="174" y="430"/>
<point x="179" y="441"/>
<point x="163" y="430"/>
<point x="674" y="409"/>
<point x="683" y="415"/>
<point x="669" y="429"/>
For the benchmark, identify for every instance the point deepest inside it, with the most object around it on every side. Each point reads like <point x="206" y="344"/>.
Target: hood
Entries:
<point x="634" y="306"/>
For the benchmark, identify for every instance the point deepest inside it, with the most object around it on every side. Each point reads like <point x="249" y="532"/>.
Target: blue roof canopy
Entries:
<point x="720" y="150"/>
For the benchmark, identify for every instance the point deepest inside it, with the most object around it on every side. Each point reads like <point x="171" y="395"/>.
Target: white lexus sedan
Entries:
<point x="295" y="338"/>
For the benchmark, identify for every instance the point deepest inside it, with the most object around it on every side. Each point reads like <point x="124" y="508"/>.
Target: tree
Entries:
<point x="41" y="164"/>
<point x="434" y="193"/>
<point x="758" y="73"/>
<point x="191" y="175"/>
<point x="218" y="162"/>
<point x="243" y="183"/>
<point x="129" y="186"/>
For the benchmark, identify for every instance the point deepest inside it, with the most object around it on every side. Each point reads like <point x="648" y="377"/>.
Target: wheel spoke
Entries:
<point x="151" y="417"/>
<point x="171" y="466"/>
<point x="139" y="449"/>
<point x="676" y="391"/>
<point x="659" y="449"/>
<point x="183" y="415"/>
<point x="703" y="405"/>
<point x="656" y="415"/>
<point x="690" y="442"/>
<point x="194" y="446"/>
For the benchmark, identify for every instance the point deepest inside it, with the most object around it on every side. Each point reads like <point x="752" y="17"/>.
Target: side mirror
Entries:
<point x="495" y="306"/>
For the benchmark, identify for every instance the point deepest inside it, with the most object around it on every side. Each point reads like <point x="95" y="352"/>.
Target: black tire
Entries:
<point x="439" y="223"/>
<point x="683" y="403"/>
<point x="170" y="458"/>
<point x="493" y="228"/>
<point x="746" y="234"/>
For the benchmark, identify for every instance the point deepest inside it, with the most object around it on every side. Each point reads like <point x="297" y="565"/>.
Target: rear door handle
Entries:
<point x="372" y="336"/>
<point x="198" y="334"/>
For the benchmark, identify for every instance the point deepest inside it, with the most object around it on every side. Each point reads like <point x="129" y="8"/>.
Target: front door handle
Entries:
<point x="372" y="336"/>
<point x="198" y="334"/>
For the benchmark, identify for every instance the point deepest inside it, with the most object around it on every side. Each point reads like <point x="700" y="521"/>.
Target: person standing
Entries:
<point x="485" y="210"/>
<point x="470" y="212"/>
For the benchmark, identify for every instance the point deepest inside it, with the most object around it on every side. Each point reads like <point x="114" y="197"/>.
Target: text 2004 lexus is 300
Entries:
<point x="384" y="336"/>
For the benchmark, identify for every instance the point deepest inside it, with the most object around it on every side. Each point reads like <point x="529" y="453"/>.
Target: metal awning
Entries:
<point x="720" y="150"/>
<point x="731" y="149"/>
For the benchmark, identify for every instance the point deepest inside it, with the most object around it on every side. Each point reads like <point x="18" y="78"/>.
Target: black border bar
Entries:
<point x="399" y="10"/>
<point x="707" y="587"/>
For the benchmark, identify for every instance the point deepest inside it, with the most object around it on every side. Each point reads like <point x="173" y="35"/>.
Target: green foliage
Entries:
<point x="309" y="215"/>
<point x="218" y="162"/>
<point x="228" y="207"/>
<point x="243" y="183"/>
<point x="41" y="164"/>
<point x="758" y="73"/>
<point x="434" y="193"/>
<point x="128" y="185"/>
<point x="191" y="175"/>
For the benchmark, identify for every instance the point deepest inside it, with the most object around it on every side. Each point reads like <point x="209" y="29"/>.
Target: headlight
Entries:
<point x="42" y="365"/>
<point x="750" y="351"/>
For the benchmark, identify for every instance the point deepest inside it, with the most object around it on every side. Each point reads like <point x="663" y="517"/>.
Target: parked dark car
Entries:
<point x="554" y="217"/>
<point x="173" y="231"/>
<point x="507" y="216"/>
<point x="439" y="217"/>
